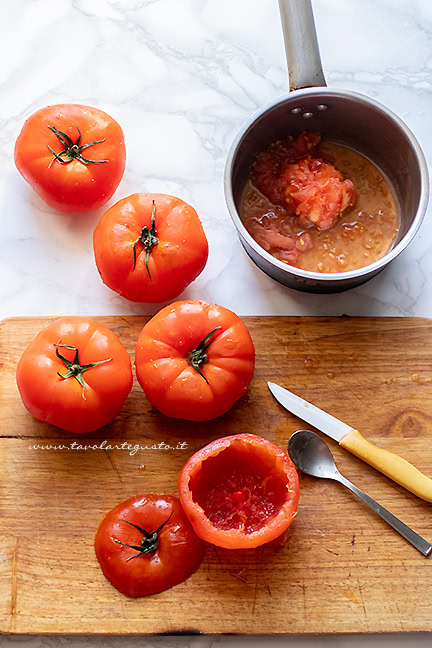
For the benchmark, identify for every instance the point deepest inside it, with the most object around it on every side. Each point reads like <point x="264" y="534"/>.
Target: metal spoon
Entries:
<point x="313" y="456"/>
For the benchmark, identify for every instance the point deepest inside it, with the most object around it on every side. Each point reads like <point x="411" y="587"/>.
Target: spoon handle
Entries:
<point x="417" y="541"/>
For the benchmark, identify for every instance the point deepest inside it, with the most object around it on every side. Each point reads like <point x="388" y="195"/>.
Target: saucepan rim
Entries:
<point x="327" y="276"/>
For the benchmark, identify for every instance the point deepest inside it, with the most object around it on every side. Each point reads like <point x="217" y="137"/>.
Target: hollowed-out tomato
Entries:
<point x="239" y="492"/>
<point x="150" y="247"/>
<point x="146" y="544"/>
<point x="73" y="156"/>
<point x="194" y="360"/>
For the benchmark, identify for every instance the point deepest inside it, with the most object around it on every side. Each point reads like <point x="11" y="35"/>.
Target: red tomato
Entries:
<point x="146" y="545"/>
<point x="149" y="247"/>
<point x="73" y="156"/>
<point x="239" y="491"/>
<point x="76" y="374"/>
<point x="194" y="360"/>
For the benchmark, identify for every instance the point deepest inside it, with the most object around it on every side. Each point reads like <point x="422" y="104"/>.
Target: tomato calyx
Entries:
<point x="199" y="356"/>
<point x="74" y="368"/>
<point x="148" y="238"/>
<point x="72" y="150"/>
<point x="149" y="541"/>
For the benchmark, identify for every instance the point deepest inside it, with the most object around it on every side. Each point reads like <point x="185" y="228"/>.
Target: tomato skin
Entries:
<point x="177" y="557"/>
<point x="170" y="382"/>
<point x="178" y="258"/>
<point x="277" y="465"/>
<point x="74" y="186"/>
<point x="60" y="401"/>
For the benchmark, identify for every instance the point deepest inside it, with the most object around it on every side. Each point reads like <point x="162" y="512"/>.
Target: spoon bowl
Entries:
<point x="312" y="455"/>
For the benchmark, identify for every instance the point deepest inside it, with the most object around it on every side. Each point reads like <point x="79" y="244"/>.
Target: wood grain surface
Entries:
<point x="341" y="569"/>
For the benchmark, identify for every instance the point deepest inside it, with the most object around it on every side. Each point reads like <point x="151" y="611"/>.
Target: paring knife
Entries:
<point x="391" y="465"/>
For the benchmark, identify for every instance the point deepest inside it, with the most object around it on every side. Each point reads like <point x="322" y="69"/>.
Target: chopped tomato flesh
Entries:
<point x="290" y="173"/>
<point x="316" y="192"/>
<point x="272" y="237"/>
<point x="269" y="165"/>
<point x="269" y="236"/>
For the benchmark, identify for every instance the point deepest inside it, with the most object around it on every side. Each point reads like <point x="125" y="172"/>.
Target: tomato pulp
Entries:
<point x="290" y="174"/>
<point x="313" y="188"/>
<point x="239" y="492"/>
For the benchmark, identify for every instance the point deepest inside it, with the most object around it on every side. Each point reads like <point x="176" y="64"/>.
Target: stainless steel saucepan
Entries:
<point x="340" y="115"/>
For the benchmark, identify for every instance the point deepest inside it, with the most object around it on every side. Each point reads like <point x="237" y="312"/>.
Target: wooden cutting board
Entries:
<point x="342" y="568"/>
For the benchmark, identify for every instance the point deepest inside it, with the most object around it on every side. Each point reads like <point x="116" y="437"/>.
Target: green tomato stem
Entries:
<point x="198" y="356"/>
<point x="72" y="150"/>
<point x="148" y="238"/>
<point x="149" y="542"/>
<point x="74" y="368"/>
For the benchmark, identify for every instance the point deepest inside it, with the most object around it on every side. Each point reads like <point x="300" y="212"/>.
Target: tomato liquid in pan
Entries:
<point x="362" y="233"/>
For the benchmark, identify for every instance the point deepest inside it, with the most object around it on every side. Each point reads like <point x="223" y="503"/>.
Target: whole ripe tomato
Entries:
<point x="146" y="544"/>
<point x="76" y="374"/>
<point x="149" y="247"/>
<point x="239" y="492"/>
<point x="194" y="360"/>
<point x="73" y="156"/>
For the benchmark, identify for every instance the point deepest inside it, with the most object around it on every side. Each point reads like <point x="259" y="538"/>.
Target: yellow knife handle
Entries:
<point x="391" y="465"/>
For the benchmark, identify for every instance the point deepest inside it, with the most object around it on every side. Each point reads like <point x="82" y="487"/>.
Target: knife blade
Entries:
<point x="390" y="464"/>
<point x="327" y="423"/>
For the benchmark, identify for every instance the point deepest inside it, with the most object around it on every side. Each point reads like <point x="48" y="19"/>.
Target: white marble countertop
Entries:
<point x="180" y="76"/>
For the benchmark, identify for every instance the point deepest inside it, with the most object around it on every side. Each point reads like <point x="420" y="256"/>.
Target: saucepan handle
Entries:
<point x="301" y="44"/>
